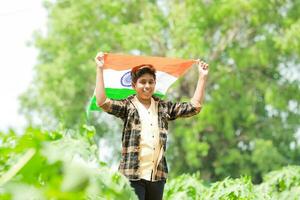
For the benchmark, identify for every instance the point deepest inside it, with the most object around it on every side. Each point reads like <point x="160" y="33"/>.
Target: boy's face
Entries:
<point x="144" y="86"/>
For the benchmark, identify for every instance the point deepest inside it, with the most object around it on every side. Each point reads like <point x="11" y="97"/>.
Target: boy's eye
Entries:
<point x="150" y="82"/>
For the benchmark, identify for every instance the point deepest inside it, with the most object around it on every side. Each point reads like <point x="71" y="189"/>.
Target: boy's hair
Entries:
<point x="140" y="70"/>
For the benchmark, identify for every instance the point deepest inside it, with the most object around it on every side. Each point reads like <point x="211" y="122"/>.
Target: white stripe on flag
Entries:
<point x="122" y="79"/>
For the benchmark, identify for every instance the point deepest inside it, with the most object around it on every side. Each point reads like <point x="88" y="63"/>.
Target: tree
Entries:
<point x="249" y="95"/>
<point x="252" y="100"/>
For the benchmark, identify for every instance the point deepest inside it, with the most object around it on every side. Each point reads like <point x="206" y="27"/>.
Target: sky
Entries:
<point x="18" y="20"/>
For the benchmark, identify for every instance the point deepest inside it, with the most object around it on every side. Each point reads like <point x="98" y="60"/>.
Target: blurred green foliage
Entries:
<point x="251" y="112"/>
<point x="277" y="185"/>
<point x="57" y="165"/>
<point x="64" y="165"/>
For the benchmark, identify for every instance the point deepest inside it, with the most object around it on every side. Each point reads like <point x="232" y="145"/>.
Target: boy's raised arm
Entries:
<point x="198" y="97"/>
<point x="100" y="91"/>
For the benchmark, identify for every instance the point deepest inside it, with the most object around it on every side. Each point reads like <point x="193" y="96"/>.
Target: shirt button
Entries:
<point x="150" y="124"/>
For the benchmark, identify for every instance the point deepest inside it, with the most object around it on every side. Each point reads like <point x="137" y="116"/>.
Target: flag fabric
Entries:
<point x="117" y="78"/>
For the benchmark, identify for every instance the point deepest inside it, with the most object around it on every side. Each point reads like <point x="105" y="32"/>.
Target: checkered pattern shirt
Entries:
<point x="126" y="110"/>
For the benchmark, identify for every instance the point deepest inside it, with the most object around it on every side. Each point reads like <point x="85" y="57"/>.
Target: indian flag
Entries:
<point x="117" y="78"/>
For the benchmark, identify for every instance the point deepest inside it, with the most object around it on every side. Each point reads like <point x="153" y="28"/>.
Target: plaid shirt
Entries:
<point x="126" y="110"/>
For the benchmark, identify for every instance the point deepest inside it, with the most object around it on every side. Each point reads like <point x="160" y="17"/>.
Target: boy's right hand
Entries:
<point x="99" y="59"/>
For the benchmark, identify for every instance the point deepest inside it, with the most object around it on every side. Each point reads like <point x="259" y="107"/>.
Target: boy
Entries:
<point x="145" y="128"/>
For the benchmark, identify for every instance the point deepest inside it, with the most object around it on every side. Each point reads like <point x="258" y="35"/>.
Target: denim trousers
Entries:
<point x="148" y="190"/>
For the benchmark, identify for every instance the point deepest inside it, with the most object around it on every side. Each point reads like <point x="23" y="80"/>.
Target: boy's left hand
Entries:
<point x="202" y="68"/>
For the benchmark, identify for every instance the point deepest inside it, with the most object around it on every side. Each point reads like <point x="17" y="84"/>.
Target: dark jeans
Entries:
<point x="147" y="190"/>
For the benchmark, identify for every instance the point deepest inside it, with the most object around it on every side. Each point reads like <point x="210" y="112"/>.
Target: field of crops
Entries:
<point x="64" y="165"/>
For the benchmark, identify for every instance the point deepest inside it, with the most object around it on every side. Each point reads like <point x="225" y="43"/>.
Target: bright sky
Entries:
<point x="18" y="20"/>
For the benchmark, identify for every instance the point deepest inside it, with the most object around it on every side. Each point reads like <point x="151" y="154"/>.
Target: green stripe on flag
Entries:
<point x="114" y="93"/>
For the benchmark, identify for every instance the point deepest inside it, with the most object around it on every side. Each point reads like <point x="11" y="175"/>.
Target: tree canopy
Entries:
<point x="250" y="118"/>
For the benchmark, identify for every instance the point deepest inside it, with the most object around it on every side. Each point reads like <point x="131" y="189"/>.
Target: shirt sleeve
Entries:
<point x="182" y="109"/>
<point x="114" y="107"/>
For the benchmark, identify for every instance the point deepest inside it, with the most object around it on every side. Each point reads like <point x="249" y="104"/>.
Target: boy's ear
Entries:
<point x="133" y="85"/>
